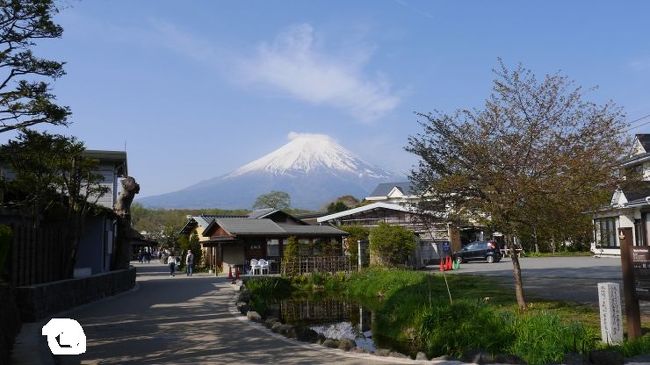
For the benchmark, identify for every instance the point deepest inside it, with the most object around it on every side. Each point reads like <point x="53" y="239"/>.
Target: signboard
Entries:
<point x="641" y="266"/>
<point x="611" y="317"/>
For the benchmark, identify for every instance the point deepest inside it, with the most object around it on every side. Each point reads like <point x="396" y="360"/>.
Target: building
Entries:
<point x="393" y="192"/>
<point x="230" y="242"/>
<point x="97" y="241"/>
<point x="629" y="206"/>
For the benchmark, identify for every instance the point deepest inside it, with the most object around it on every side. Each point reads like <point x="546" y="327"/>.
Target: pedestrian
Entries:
<point x="171" y="261"/>
<point x="189" y="262"/>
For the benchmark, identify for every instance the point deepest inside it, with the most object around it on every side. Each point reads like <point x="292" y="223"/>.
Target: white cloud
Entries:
<point x="294" y="64"/>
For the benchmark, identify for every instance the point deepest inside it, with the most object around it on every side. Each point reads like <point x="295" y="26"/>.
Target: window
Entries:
<point x="605" y="232"/>
<point x="273" y="247"/>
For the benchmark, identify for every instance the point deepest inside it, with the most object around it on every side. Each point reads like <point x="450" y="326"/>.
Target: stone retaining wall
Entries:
<point x="9" y="322"/>
<point x="38" y="301"/>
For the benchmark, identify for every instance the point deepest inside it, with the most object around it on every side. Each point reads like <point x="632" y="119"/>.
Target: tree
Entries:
<point x="356" y="234"/>
<point x="51" y="173"/>
<point x="342" y="203"/>
<point x="26" y="100"/>
<point x="536" y="150"/>
<point x="391" y="245"/>
<point x="274" y="199"/>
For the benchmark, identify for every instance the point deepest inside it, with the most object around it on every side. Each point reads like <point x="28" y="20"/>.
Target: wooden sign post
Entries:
<point x="629" y="267"/>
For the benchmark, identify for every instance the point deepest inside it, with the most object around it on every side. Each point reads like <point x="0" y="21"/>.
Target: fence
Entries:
<point x="325" y="264"/>
<point x="37" y="255"/>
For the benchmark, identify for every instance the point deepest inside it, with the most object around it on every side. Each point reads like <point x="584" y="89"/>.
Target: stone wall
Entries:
<point x="38" y="301"/>
<point x="9" y="322"/>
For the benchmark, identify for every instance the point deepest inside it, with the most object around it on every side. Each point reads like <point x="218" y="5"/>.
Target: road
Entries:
<point x="185" y="320"/>
<point x="560" y="278"/>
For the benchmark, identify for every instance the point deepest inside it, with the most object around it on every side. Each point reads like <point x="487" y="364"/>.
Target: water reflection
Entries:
<point x="331" y="317"/>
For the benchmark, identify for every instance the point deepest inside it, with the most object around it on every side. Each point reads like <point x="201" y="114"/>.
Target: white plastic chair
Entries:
<point x="264" y="265"/>
<point x="255" y="266"/>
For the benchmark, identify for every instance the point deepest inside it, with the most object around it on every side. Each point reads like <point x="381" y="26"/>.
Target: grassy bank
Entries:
<point x="412" y="312"/>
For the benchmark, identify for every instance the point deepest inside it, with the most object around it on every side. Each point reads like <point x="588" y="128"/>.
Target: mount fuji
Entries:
<point x="312" y="168"/>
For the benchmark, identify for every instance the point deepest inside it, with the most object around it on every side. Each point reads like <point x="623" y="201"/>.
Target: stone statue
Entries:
<point x="123" y="210"/>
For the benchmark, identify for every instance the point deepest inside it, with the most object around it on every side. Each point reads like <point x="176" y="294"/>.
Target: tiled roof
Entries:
<point x="294" y="229"/>
<point x="249" y="226"/>
<point x="384" y="188"/>
<point x="260" y="213"/>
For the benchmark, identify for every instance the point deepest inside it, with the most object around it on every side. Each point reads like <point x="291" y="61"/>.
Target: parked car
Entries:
<point x="479" y="250"/>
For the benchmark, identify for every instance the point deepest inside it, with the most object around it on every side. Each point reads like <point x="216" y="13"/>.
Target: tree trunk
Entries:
<point x="122" y="245"/>
<point x="516" y="270"/>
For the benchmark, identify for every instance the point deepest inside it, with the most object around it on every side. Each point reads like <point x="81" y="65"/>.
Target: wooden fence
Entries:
<point x="37" y="255"/>
<point x="325" y="264"/>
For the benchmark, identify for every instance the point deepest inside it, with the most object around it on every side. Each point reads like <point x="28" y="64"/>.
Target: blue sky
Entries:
<point x="202" y="87"/>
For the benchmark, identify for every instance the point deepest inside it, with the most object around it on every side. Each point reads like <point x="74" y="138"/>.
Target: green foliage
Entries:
<point x="544" y="338"/>
<point x="391" y="245"/>
<point x="319" y="282"/>
<point x="26" y="99"/>
<point x="163" y="225"/>
<point x="274" y="199"/>
<point x="356" y="234"/>
<point x="265" y="290"/>
<point x="335" y="207"/>
<point x="635" y="347"/>
<point x="291" y="248"/>
<point x="458" y="328"/>
<point x="6" y="237"/>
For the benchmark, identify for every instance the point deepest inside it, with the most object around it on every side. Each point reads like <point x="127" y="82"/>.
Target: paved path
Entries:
<point x="558" y="278"/>
<point x="185" y="320"/>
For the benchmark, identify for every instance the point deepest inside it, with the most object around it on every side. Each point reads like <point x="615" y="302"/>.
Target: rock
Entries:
<point x="244" y="296"/>
<point x="276" y="327"/>
<point x="398" y="355"/>
<point x="242" y="307"/>
<point x="573" y="358"/>
<point x="478" y="357"/>
<point x="359" y="350"/>
<point x="270" y="322"/>
<point x="347" y="344"/>
<point x="321" y="338"/>
<point x="332" y="343"/>
<point x="382" y="352"/>
<point x="421" y="356"/>
<point x="306" y="334"/>
<point x="253" y="316"/>
<point x="605" y="357"/>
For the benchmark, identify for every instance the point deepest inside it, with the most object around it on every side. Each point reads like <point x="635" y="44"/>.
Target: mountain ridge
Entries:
<point x="312" y="168"/>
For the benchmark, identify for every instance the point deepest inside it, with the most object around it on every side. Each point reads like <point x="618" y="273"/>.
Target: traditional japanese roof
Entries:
<point x="384" y="189"/>
<point x="261" y="213"/>
<point x="297" y="230"/>
<point x="238" y="226"/>
<point x="365" y="208"/>
<point x="267" y="227"/>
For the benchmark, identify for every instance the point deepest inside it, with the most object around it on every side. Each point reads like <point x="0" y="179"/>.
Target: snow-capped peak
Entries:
<point x="307" y="152"/>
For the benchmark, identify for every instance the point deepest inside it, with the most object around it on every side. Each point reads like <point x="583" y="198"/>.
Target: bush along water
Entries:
<point x="411" y="314"/>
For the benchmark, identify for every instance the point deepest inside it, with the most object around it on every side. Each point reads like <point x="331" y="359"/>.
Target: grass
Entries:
<point x="412" y="313"/>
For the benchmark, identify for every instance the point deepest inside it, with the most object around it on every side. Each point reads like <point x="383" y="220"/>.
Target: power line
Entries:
<point x="639" y="119"/>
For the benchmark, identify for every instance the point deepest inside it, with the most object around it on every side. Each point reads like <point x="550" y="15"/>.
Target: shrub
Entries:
<point x="269" y="287"/>
<point x="543" y="338"/>
<point x="357" y="233"/>
<point x="391" y="245"/>
<point x="455" y="329"/>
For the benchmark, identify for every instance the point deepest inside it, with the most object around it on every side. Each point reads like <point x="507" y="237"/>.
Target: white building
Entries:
<point x="629" y="206"/>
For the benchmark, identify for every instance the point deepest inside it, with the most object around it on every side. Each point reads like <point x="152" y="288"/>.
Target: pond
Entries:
<point x="332" y="317"/>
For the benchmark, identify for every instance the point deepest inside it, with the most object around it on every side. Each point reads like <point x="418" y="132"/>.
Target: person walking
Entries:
<point x="171" y="261"/>
<point x="189" y="262"/>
